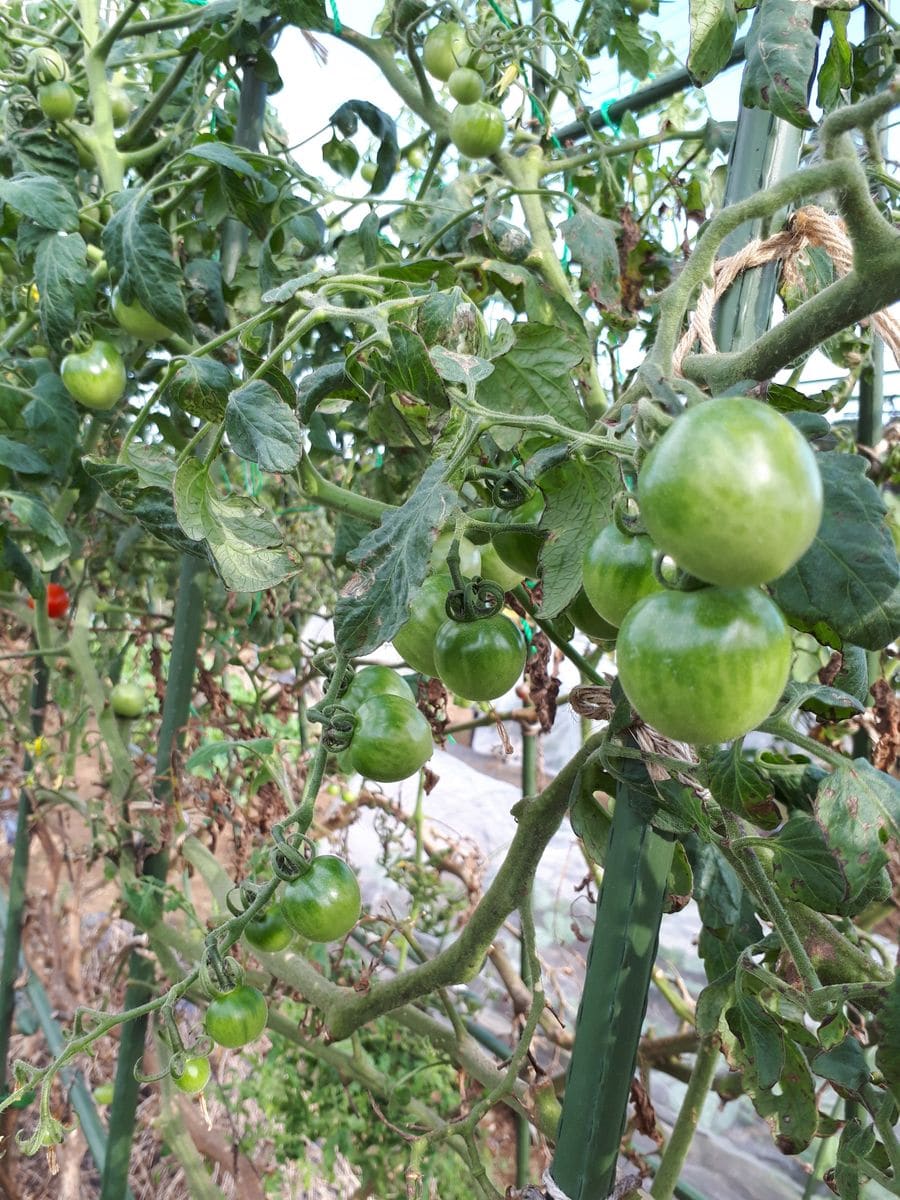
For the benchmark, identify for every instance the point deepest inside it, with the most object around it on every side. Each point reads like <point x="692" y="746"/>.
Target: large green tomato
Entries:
<point x="704" y="666"/>
<point x="392" y="739"/>
<point x="414" y="640"/>
<point x="374" y="681"/>
<point x="58" y="100"/>
<point x="96" y="377"/>
<point x="519" y="549"/>
<point x="445" y="49"/>
<point x="585" y="617"/>
<point x="323" y="904"/>
<point x="122" y="107"/>
<point x="732" y="492"/>
<point x="137" y="321"/>
<point x="618" y="571"/>
<point x="237" y="1018"/>
<point x="477" y="130"/>
<point x="480" y="660"/>
<point x="269" y="930"/>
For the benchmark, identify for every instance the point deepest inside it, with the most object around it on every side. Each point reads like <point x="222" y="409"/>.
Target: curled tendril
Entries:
<point x="511" y="489"/>
<point x="476" y="599"/>
<point x="156" y="1075"/>
<point x="324" y="663"/>
<point x="673" y="577"/>
<point x="626" y="520"/>
<point x="217" y="975"/>
<point x="338" y="724"/>
<point x="291" y="858"/>
<point x="240" y="898"/>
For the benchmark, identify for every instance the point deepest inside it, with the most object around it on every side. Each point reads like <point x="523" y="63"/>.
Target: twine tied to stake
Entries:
<point x="809" y="226"/>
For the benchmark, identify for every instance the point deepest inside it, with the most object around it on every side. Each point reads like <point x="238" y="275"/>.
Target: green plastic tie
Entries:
<point x="607" y="119"/>
<point x="336" y="19"/>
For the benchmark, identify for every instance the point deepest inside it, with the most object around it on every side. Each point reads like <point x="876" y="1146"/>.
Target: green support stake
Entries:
<point x="613" y="1003"/>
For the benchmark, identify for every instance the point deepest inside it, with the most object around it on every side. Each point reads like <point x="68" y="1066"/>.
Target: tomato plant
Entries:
<point x="392" y="739"/>
<point x="237" y="1017"/>
<point x="732" y="491"/>
<point x="704" y="666"/>
<point x="269" y="930"/>
<point x="128" y="700"/>
<point x="618" y="571"/>
<point x="480" y="660"/>
<point x="95" y="377"/>
<point x="414" y="640"/>
<point x="57" y="601"/>
<point x="323" y="904"/>
<point x="477" y="130"/>
<point x="193" y="1077"/>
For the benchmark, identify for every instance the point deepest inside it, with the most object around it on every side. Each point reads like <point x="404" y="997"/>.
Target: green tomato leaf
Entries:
<point x="739" y="786"/>
<point x="713" y="26"/>
<point x="854" y="1148"/>
<point x="244" y="543"/>
<point x="858" y="809"/>
<point x="407" y="370"/>
<point x="391" y="562"/>
<point x="52" y="418"/>
<point x="52" y="539"/>
<point x="781" y="52"/>
<point x="227" y="157"/>
<point x="382" y="127"/>
<point x="200" y="386"/>
<point x="262" y="428"/>
<point x="849" y="577"/>
<point x="578" y="501"/>
<point x="139" y="252"/>
<point x="43" y="200"/>
<point x="762" y="1037"/>
<point x="21" y="458"/>
<point x="342" y="156"/>
<point x="805" y="868"/>
<point x="151" y="506"/>
<point x="453" y="367"/>
<point x="844" y="1065"/>
<point x="533" y="378"/>
<point x="592" y="242"/>
<point x="64" y="282"/>
<point x="836" y="71"/>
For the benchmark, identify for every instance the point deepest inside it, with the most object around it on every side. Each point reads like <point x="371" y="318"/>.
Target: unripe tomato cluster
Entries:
<point x="392" y="739"/>
<point x="731" y="492"/>
<point x="477" y="128"/>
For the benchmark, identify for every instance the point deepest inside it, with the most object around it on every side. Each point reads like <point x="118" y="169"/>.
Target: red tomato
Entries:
<point x="57" y="601"/>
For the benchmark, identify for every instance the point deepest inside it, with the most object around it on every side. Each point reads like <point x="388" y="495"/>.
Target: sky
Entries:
<point x="313" y="91"/>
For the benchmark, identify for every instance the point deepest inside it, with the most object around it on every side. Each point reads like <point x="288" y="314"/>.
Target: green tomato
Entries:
<point x="135" y="319"/>
<point x="95" y="377"/>
<point x="103" y="1093"/>
<point x="270" y="930"/>
<point x="494" y="568"/>
<point x="466" y="86"/>
<point x="392" y="739"/>
<point x="414" y="640"/>
<point x="128" y="700"/>
<point x="58" y="100"/>
<point x="585" y="617"/>
<point x="374" y="681"/>
<point x="477" y="130"/>
<point x="46" y="64"/>
<point x="237" y="1018"/>
<point x="732" y="492"/>
<point x="469" y="555"/>
<point x="323" y="904"/>
<point x="704" y="666"/>
<point x="519" y="549"/>
<point x="415" y="156"/>
<point x="368" y="171"/>
<point x="122" y="107"/>
<point x="445" y="49"/>
<point x="194" y="1076"/>
<point x="480" y="659"/>
<point x="618" y="571"/>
